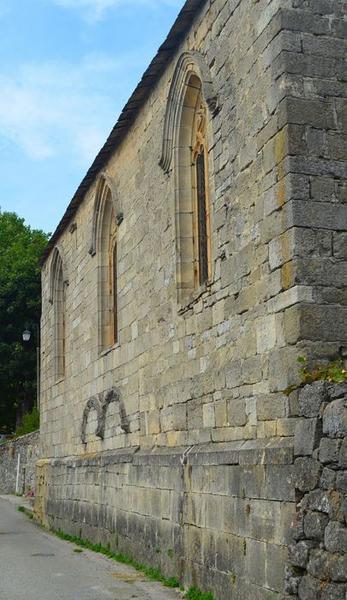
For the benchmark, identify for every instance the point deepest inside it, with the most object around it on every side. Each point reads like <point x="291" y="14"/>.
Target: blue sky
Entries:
<point x="67" y="69"/>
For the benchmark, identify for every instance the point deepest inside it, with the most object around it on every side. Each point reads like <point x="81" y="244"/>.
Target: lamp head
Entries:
<point x="26" y="335"/>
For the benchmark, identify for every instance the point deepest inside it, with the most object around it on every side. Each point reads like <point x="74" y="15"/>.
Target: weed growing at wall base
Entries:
<point x="195" y="594"/>
<point x="152" y="573"/>
<point x="26" y="511"/>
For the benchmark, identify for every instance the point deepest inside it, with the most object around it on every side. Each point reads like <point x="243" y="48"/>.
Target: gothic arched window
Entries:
<point x="104" y="246"/>
<point x="58" y="299"/>
<point x="192" y="181"/>
<point x="187" y="148"/>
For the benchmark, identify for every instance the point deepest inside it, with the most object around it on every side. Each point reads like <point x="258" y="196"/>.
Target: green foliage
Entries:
<point x="333" y="372"/>
<point x="151" y="572"/>
<point x="30" y="422"/>
<point x="20" y="306"/>
<point x="196" y="594"/>
<point x="26" y="511"/>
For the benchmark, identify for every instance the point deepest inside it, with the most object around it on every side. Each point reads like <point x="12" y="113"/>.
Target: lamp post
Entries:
<point x="26" y="335"/>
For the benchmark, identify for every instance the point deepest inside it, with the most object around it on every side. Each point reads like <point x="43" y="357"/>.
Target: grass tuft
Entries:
<point x="26" y="511"/>
<point x="151" y="572"/>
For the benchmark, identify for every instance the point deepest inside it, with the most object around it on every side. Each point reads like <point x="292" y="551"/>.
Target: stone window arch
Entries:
<point x="58" y="283"/>
<point x="187" y="152"/>
<point x="104" y="246"/>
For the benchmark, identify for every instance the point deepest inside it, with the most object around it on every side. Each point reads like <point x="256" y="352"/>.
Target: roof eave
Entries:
<point x="129" y="113"/>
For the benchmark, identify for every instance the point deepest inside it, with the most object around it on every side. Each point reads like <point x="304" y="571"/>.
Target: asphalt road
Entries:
<point x="35" y="565"/>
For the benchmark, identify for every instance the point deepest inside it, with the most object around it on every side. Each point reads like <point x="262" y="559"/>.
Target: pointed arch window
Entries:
<point x="192" y="191"/>
<point x="108" y="325"/>
<point x="186" y="151"/>
<point x="105" y="247"/>
<point x="58" y="299"/>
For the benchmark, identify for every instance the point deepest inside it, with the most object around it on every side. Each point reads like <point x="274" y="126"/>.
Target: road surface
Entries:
<point x="35" y="565"/>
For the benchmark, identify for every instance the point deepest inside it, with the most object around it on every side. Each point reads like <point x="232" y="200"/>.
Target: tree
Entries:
<point x="20" y="306"/>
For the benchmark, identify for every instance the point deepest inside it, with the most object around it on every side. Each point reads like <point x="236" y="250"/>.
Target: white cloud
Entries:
<point x="56" y="109"/>
<point x="95" y="10"/>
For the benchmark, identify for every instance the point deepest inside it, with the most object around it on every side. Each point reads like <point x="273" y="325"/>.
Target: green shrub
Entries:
<point x="30" y="422"/>
<point x="334" y="372"/>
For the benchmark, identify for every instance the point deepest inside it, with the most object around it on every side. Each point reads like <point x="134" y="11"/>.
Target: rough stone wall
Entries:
<point x="217" y="371"/>
<point x="214" y="373"/>
<point x="311" y="71"/>
<point x="318" y="557"/>
<point x="28" y="448"/>
<point x="216" y="516"/>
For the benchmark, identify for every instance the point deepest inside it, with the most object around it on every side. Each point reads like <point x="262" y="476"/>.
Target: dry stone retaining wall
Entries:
<point x="27" y="447"/>
<point x="318" y="555"/>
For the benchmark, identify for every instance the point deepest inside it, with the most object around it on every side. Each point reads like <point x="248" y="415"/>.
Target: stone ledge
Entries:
<point x="252" y="452"/>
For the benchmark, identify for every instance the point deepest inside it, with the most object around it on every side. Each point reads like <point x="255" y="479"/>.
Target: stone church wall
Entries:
<point x="194" y="454"/>
<point x="216" y="369"/>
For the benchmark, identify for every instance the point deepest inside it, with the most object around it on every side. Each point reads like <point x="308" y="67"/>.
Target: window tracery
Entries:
<point x="186" y="152"/>
<point x="201" y="238"/>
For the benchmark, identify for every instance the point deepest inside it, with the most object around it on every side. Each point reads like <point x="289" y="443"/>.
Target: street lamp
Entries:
<point x="26" y="335"/>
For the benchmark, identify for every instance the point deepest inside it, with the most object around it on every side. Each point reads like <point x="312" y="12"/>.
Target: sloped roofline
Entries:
<point x="129" y="113"/>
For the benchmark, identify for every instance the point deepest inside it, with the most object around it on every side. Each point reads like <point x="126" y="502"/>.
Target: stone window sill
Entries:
<point x="106" y="351"/>
<point x="194" y="297"/>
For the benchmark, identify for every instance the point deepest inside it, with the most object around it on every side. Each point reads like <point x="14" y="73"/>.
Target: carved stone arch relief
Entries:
<point x="92" y="404"/>
<point x="100" y="405"/>
<point x="58" y="259"/>
<point x="114" y="396"/>
<point x="105" y="188"/>
<point x="189" y="63"/>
